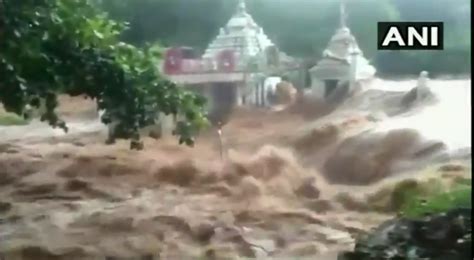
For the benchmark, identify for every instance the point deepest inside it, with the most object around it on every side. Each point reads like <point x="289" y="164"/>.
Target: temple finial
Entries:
<point x="342" y="10"/>
<point x="241" y="7"/>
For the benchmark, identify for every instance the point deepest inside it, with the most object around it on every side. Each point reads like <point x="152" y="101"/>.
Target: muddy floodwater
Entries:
<point x="289" y="185"/>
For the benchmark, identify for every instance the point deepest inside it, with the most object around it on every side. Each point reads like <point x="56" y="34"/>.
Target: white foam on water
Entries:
<point x="449" y="120"/>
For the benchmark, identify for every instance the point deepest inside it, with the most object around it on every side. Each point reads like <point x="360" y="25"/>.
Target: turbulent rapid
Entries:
<point x="401" y="132"/>
<point x="448" y="120"/>
<point x="289" y="186"/>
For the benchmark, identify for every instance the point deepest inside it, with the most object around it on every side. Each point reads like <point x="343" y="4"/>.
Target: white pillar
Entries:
<point x="317" y="88"/>
<point x="422" y="88"/>
<point x="265" y="90"/>
<point x="353" y="71"/>
<point x="238" y="93"/>
<point x="167" y="124"/>
<point x="208" y="93"/>
<point x="423" y="79"/>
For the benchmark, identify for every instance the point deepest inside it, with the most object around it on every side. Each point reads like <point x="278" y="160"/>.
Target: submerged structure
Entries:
<point x="241" y="66"/>
<point x="343" y="63"/>
<point x="234" y="66"/>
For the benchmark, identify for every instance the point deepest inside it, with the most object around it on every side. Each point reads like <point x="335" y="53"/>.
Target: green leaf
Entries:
<point x="73" y="48"/>
<point x="98" y="34"/>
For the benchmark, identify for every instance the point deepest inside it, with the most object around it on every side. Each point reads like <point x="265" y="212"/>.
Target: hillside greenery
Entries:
<point x="303" y="28"/>
<point x="10" y="119"/>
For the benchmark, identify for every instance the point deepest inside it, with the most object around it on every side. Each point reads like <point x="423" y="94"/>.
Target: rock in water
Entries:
<point x="416" y="95"/>
<point x="308" y="189"/>
<point x="204" y="232"/>
<point x="5" y="207"/>
<point x="285" y="93"/>
<point x="419" y="94"/>
<point x="437" y="236"/>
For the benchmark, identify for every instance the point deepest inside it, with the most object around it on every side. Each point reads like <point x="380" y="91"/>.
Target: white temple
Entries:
<point x="342" y="61"/>
<point x="236" y="64"/>
<point x="240" y="34"/>
<point x="238" y="60"/>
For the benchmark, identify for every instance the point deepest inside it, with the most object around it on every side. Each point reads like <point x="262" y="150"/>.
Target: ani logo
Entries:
<point x="410" y="35"/>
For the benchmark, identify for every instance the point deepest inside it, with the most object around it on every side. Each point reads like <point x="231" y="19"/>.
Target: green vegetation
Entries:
<point x="303" y="28"/>
<point x="458" y="196"/>
<point x="68" y="46"/>
<point x="435" y="192"/>
<point x="435" y="222"/>
<point x="9" y="119"/>
<point x="435" y="236"/>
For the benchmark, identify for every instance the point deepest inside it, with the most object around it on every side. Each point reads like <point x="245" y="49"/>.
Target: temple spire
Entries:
<point x="241" y="8"/>
<point x="241" y="34"/>
<point x="343" y="16"/>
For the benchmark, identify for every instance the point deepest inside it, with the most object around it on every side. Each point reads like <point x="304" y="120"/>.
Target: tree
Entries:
<point x="457" y="42"/>
<point x="303" y="28"/>
<point x="67" y="46"/>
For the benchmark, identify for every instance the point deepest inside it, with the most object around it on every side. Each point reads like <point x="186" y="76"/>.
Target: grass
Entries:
<point x="441" y="198"/>
<point x="9" y="119"/>
<point x="435" y="192"/>
<point x="458" y="196"/>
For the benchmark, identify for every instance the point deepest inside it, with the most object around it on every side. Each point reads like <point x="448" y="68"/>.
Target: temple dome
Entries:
<point x="241" y="19"/>
<point x="341" y="45"/>
<point x="340" y="53"/>
<point x="241" y="34"/>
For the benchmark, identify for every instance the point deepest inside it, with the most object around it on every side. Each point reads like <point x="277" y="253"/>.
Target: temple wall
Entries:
<point x="258" y="93"/>
<point x="167" y="124"/>
<point x="224" y="97"/>
<point x="240" y="95"/>
<point x="317" y="88"/>
<point x="251" y="95"/>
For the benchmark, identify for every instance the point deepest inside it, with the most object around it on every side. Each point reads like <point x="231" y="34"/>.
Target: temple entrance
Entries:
<point x="329" y="86"/>
<point x="224" y="99"/>
<point x="224" y="93"/>
<point x="268" y="93"/>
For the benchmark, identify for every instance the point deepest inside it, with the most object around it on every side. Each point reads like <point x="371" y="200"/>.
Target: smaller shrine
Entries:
<point x="342" y="63"/>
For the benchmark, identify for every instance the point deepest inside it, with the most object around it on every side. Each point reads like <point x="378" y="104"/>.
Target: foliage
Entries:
<point x="459" y="196"/>
<point x="430" y="194"/>
<point x="416" y="198"/>
<point x="408" y="192"/>
<point x="9" y="119"/>
<point x="68" y="46"/>
<point x="435" y="223"/>
<point x="437" y="236"/>
<point x="303" y="28"/>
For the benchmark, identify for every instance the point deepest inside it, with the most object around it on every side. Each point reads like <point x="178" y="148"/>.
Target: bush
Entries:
<point x="434" y="192"/>
<point x="436" y="236"/>
<point x="434" y="223"/>
<point x="9" y="119"/>
<point x="459" y="196"/>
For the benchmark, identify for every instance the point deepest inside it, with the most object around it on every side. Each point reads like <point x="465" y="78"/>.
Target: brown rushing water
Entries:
<point x="290" y="186"/>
